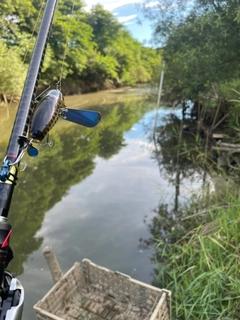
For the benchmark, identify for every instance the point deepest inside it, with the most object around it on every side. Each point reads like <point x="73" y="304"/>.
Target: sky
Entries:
<point x="128" y="13"/>
<point x="110" y="5"/>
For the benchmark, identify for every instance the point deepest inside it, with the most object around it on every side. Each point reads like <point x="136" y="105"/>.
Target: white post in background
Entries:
<point x="159" y="98"/>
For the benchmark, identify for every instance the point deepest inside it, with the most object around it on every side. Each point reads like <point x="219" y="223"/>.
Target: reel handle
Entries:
<point x="12" y="305"/>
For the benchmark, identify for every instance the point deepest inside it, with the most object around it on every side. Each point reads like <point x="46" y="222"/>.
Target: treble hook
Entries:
<point x="23" y="168"/>
<point x="49" y="142"/>
<point x="25" y="144"/>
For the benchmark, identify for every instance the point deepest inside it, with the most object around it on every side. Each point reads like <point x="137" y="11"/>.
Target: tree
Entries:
<point x="105" y="28"/>
<point x="88" y="51"/>
<point x="12" y="71"/>
<point x="70" y="42"/>
<point x="201" y="46"/>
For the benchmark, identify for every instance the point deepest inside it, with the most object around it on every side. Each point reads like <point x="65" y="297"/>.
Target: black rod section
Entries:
<point x="30" y="87"/>
<point x="26" y="104"/>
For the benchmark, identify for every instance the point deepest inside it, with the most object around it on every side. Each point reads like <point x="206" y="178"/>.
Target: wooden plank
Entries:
<point x="217" y="136"/>
<point x="230" y="150"/>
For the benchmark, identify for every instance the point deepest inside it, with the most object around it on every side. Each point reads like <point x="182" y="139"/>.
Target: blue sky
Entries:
<point x="128" y="13"/>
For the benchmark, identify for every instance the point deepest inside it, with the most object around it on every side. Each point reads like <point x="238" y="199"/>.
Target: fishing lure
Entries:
<point x="46" y="115"/>
<point x="50" y="109"/>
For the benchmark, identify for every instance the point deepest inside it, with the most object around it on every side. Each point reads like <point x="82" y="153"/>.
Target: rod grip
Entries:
<point x="5" y="251"/>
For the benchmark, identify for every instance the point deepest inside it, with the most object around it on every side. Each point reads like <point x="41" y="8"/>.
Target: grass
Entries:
<point x="202" y="269"/>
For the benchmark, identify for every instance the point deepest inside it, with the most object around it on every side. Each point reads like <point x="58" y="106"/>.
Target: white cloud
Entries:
<point x="125" y="19"/>
<point x="129" y="23"/>
<point x="152" y="4"/>
<point x="110" y="5"/>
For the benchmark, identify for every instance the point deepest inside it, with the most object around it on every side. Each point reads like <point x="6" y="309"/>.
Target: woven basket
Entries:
<point x="96" y="293"/>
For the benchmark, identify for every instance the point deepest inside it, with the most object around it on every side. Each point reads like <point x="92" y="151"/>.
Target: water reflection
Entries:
<point x="88" y="195"/>
<point x="71" y="160"/>
<point x="177" y="154"/>
<point x="93" y="197"/>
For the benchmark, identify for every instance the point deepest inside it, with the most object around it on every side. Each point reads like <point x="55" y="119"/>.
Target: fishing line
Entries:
<point x="34" y="28"/>
<point x="26" y="51"/>
<point x="37" y="22"/>
<point x="66" y="44"/>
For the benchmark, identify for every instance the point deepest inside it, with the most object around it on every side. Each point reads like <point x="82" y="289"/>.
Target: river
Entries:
<point x="94" y="194"/>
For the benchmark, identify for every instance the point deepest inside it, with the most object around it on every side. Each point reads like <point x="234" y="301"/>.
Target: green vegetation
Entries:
<point x="11" y="64"/>
<point x="90" y="51"/>
<point x="196" y="243"/>
<point x="197" y="246"/>
<point x="201" y="50"/>
<point x="202" y="267"/>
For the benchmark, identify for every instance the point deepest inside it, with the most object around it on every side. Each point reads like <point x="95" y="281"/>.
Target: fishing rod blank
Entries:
<point x="37" y="118"/>
<point x="11" y="290"/>
<point x="26" y="104"/>
<point x="30" y="87"/>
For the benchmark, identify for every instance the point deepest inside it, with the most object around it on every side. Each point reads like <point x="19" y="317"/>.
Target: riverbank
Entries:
<point x="141" y="89"/>
<point x="197" y="241"/>
<point x="201" y="268"/>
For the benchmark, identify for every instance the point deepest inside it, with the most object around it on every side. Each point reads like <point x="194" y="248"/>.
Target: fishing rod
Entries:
<point x="34" y="119"/>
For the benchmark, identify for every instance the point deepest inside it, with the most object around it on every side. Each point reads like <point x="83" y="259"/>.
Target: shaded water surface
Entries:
<point x="89" y="195"/>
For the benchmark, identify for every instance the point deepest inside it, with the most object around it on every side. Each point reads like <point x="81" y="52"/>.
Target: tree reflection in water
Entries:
<point x="177" y="155"/>
<point x="48" y="177"/>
